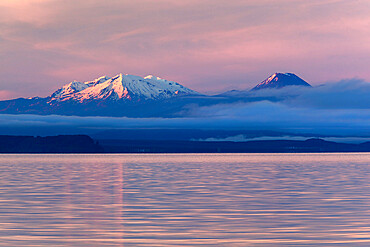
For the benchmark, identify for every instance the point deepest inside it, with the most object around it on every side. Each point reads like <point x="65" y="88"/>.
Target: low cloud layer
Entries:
<point x="341" y="107"/>
<point x="344" y="94"/>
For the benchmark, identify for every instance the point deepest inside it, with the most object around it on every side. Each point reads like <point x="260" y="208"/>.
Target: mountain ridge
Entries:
<point x="120" y="87"/>
<point x="134" y="96"/>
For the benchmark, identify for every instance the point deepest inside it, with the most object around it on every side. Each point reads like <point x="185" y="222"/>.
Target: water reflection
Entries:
<point x="167" y="200"/>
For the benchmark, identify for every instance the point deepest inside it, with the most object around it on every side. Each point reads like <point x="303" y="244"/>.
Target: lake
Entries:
<point x="185" y="200"/>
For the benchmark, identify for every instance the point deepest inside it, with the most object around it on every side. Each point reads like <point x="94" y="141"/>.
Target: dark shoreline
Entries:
<point x="85" y="144"/>
<point x="275" y="146"/>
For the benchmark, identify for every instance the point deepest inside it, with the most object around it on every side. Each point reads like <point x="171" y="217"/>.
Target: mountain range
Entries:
<point x="135" y="96"/>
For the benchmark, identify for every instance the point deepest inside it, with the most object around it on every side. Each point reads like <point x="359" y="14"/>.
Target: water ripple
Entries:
<point x="185" y="200"/>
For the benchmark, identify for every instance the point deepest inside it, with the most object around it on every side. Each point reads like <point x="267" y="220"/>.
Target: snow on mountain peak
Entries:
<point x="152" y="77"/>
<point x="69" y="89"/>
<point x="121" y="86"/>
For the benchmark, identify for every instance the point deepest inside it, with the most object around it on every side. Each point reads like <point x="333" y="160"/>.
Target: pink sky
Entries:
<point x="207" y="45"/>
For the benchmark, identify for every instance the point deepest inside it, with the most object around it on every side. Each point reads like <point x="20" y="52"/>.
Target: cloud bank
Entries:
<point x="334" y="108"/>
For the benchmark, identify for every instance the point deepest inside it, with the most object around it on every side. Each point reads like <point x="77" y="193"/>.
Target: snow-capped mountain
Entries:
<point x="135" y="96"/>
<point x="120" y="87"/>
<point x="279" y="80"/>
<point x="275" y="81"/>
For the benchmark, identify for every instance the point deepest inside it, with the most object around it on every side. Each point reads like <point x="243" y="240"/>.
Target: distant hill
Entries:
<point x="84" y="144"/>
<point x="275" y="146"/>
<point x="49" y="144"/>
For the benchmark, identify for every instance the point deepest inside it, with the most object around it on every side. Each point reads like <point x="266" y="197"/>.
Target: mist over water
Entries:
<point x="190" y="200"/>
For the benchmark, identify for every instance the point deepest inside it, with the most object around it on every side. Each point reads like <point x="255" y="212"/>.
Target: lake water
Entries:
<point x="185" y="200"/>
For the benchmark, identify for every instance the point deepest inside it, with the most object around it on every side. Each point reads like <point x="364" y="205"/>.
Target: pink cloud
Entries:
<point x="5" y="95"/>
<point x="203" y="44"/>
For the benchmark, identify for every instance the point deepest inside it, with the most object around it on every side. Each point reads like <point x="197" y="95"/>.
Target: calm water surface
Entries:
<point x="185" y="200"/>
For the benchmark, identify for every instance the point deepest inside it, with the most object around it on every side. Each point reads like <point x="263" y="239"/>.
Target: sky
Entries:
<point x="207" y="45"/>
